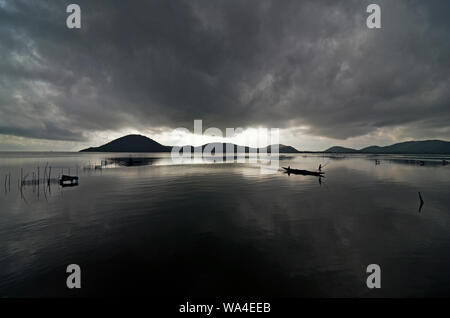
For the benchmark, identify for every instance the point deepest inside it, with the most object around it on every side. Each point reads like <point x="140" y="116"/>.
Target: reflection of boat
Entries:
<point x="304" y="172"/>
<point x="130" y="162"/>
<point x="68" y="181"/>
<point x="65" y="185"/>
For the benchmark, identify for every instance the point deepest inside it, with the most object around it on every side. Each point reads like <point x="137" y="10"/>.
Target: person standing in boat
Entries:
<point x="320" y="167"/>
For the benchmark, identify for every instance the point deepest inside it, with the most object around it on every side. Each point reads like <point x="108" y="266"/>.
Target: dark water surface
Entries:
<point x="209" y="229"/>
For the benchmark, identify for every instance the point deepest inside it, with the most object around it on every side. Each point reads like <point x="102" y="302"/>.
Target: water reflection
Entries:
<point x="421" y="202"/>
<point x="208" y="229"/>
<point x="130" y="161"/>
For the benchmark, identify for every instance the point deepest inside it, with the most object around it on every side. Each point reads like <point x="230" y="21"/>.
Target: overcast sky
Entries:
<point x="311" y="68"/>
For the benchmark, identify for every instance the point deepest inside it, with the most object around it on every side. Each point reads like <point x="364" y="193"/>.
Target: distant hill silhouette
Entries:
<point x="130" y="143"/>
<point x="338" y="149"/>
<point x="408" y="147"/>
<point x="139" y="143"/>
<point x="283" y="149"/>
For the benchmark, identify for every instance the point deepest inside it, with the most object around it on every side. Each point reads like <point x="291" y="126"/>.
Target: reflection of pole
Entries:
<point x="49" y="176"/>
<point x="421" y="202"/>
<point x="9" y="182"/>
<point x="21" y="183"/>
<point x="38" y="181"/>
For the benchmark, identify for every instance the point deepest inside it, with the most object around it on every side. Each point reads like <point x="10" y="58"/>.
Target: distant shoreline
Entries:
<point x="143" y="144"/>
<point x="140" y="143"/>
<point x="155" y="152"/>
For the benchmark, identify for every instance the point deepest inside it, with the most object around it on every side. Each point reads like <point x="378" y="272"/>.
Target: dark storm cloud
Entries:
<point x="232" y="63"/>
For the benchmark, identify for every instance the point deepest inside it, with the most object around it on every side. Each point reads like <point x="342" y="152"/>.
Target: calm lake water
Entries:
<point x="147" y="226"/>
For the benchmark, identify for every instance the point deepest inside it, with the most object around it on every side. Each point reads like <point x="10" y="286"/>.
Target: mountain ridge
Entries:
<point x="130" y="143"/>
<point x="407" y="147"/>
<point x="140" y="143"/>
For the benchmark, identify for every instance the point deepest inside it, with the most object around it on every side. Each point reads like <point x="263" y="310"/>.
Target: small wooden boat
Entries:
<point x="304" y="172"/>
<point x="68" y="180"/>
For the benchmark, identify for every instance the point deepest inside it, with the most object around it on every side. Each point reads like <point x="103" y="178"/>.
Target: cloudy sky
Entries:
<point x="311" y="68"/>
